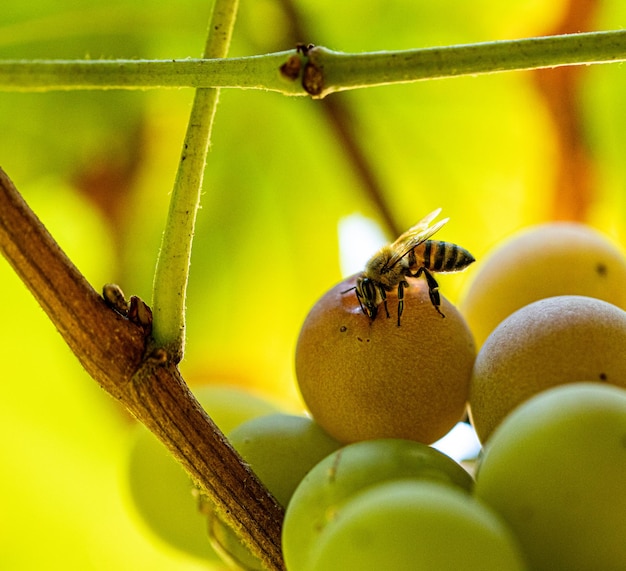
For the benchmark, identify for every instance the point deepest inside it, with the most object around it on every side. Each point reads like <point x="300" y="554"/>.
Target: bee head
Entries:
<point x="366" y="294"/>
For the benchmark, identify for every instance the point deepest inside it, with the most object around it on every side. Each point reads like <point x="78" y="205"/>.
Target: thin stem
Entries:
<point x="339" y="71"/>
<point x="172" y="271"/>
<point x="327" y="71"/>
<point x="253" y="72"/>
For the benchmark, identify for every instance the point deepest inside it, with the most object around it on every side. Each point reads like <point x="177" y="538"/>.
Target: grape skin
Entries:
<point x="322" y="493"/>
<point x="411" y="525"/>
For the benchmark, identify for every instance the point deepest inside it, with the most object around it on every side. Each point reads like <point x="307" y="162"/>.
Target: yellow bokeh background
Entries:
<point x="97" y="168"/>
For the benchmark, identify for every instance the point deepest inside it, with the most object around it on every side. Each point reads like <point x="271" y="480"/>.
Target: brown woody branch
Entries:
<point x="117" y="353"/>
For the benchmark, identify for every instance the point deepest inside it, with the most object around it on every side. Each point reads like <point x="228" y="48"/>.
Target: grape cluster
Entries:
<point x="281" y="448"/>
<point x="536" y="349"/>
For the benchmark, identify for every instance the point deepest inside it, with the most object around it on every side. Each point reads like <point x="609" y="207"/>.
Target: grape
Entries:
<point x="160" y="489"/>
<point x="322" y="493"/>
<point x="561" y="258"/>
<point x="364" y="379"/>
<point x="161" y="493"/>
<point x="229" y="407"/>
<point x="555" y="470"/>
<point x="550" y="342"/>
<point x="415" y="525"/>
<point x="281" y="449"/>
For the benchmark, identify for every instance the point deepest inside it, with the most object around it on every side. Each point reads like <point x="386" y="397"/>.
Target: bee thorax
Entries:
<point x="379" y="270"/>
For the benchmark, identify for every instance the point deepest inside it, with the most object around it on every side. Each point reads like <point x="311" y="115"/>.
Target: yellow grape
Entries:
<point x="559" y="258"/>
<point x="364" y="379"/>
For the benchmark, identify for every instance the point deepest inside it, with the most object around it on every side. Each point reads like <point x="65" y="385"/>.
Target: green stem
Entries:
<point x="254" y="72"/>
<point x="350" y="71"/>
<point x="332" y="71"/>
<point x="172" y="270"/>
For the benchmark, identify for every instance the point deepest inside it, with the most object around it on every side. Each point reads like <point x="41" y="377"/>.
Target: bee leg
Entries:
<point x="401" y="287"/>
<point x="433" y="289"/>
<point x="358" y="298"/>
<point x="383" y="296"/>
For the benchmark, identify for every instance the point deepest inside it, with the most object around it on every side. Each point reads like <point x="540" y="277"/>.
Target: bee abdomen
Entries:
<point x="445" y="257"/>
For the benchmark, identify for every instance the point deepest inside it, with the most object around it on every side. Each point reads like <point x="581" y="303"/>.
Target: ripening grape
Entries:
<point x="555" y="470"/>
<point x="331" y="483"/>
<point x="550" y="342"/>
<point x="559" y="258"/>
<point x="409" y="525"/>
<point x="364" y="379"/>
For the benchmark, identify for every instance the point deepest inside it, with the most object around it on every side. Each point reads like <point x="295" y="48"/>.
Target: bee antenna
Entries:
<point x="347" y="290"/>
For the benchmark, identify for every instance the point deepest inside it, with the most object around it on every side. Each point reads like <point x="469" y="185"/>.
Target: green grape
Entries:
<point x="555" y="469"/>
<point x="411" y="525"/>
<point x="161" y="491"/>
<point x="229" y="407"/>
<point x="321" y="494"/>
<point x="281" y="449"/>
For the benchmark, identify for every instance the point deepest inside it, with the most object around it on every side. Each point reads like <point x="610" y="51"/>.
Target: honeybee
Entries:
<point x="411" y="255"/>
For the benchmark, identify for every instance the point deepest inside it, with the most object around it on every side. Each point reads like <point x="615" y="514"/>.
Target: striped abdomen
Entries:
<point x="438" y="256"/>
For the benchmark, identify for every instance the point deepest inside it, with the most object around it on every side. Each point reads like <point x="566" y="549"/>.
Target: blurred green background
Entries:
<point x="495" y="152"/>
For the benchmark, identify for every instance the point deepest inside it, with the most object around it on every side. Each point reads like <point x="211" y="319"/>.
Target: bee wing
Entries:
<point x="415" y="236"/>
<point x="424" y="222"/>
